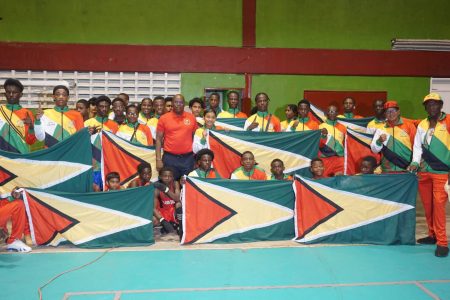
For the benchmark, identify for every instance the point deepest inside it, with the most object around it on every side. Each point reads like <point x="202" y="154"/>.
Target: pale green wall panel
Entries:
<point x="146" y="22"/>
<point x="349" y="24"/>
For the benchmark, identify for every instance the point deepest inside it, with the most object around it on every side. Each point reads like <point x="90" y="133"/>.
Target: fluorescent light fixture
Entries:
<point x="420" y="45"/>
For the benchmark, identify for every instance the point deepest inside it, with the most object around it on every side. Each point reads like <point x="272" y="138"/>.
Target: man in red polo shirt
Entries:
<point x="176" y="129"/>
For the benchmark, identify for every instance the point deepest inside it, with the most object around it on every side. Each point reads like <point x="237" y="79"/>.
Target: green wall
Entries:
<point x="285" y="89"/>
<point x="193" y="84"/>
<point x="349" y="24"/>
<point x="338" y="24"/>
<point x="155" y="22"/>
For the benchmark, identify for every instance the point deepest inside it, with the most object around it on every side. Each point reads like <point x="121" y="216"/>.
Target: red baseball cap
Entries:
<point x="391" y="104"/>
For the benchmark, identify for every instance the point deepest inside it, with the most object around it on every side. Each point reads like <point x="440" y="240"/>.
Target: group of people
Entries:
<point x="180" y="137"/>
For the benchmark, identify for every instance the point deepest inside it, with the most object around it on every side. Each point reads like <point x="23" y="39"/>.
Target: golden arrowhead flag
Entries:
<point x="340" y="209"/>
<point x="119" y="155"/>
<point x="233" y="210"/>
<point x="91" y="219"/>
<point x="295" y="149"/>
<point x="67" y="166"/>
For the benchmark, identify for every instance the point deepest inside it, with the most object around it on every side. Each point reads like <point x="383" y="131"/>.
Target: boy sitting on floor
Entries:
<point x="248" y="170"/>
<point x="317" y="168"/>
<point x="277" y="170"/>
<point x="145" y="174"/>
<point x="368" y="165"/>
<point x="204" y="160"/>
<point x="112" y="182"/>
<point x="167" y="211"/>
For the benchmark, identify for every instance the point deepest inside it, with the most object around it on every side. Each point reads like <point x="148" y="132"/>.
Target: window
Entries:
<point x="84" y="85"/>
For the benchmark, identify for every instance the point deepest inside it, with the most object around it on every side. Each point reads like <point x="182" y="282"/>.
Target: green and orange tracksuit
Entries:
<point x="211" y="173"/>
<point x="375" y="124"/>
<point x="332" y="147"/>
<point x="232" y="113"/>
<point x="432" y="156"/>
<point x="256" y="173"/>
<point x="304" y="124"/>
<point x="15" y="135"/>
<point x="136" y="133"/>
<point x="57" y="124"/>
<point x="397" y="148"/>
<point x="266" y="122"/>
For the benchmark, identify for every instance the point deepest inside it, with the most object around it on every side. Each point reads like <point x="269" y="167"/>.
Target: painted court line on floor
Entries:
<point x="427" y="291"/>
<point x="117" y="294"/>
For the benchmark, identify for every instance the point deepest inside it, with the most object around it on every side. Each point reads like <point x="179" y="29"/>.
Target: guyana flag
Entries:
<point x="357" y="146"/>
<point x="231" y="123"/>
<point x="295" y="149"/>
<point x="376" y="209"/>
<point x="233" y="211"/>
<point x="91" y="220"/>
<point x="317" y="114"/>
<point x="67" y="166"/>
<point x="356" y="124"/>
<point x="119" y="155"/>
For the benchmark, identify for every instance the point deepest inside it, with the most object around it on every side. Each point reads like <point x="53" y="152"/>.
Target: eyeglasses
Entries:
<point x="391" y="111"/>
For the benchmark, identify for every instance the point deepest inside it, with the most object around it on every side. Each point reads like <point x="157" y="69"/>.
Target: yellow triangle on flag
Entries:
<point x="37" y="173"/>
<point x="358" y="210"/>
<point x="265" y="154"/>
<point x="363" y="138"/>
<point x="93" y="221"/>
<point x="251" y="212"/>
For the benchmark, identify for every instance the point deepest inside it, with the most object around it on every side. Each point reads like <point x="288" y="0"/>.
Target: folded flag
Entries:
<point x="295" y="149"/>
<point x="231" y="123"/>
<point x="356" y="124"/>
<point x="91" y="220"/>
<point x="67" y="167"/>
<point x="357" y="146"/>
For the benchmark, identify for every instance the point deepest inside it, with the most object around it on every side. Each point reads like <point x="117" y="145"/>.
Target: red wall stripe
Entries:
<point x="248" y="23"/>
<point x="204" y="59"/>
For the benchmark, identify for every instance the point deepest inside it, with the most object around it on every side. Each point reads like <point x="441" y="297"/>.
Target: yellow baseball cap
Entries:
<point x="432" y="96"/>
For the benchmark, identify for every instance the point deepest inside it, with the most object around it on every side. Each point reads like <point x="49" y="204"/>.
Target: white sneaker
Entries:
<point x="18" y="246"/>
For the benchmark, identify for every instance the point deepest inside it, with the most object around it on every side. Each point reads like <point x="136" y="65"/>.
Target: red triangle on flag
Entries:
<point x="47" y="221"/>
<point x="203" y="213"/>
<point x="357" y="149"/>
<point x="311" y="208"/>
<point x="5" y="176"/>
<point x="117" y="159"/>
<point x="226" y="159"/>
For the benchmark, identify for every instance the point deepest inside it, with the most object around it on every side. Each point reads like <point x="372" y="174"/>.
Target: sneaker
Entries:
<point x="429" y="240"/>
<point x="18" y="246"/>
<point x="441" y="251"/>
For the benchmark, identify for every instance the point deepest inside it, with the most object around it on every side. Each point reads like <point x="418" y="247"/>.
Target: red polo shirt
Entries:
<point x="178" y="131"/>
